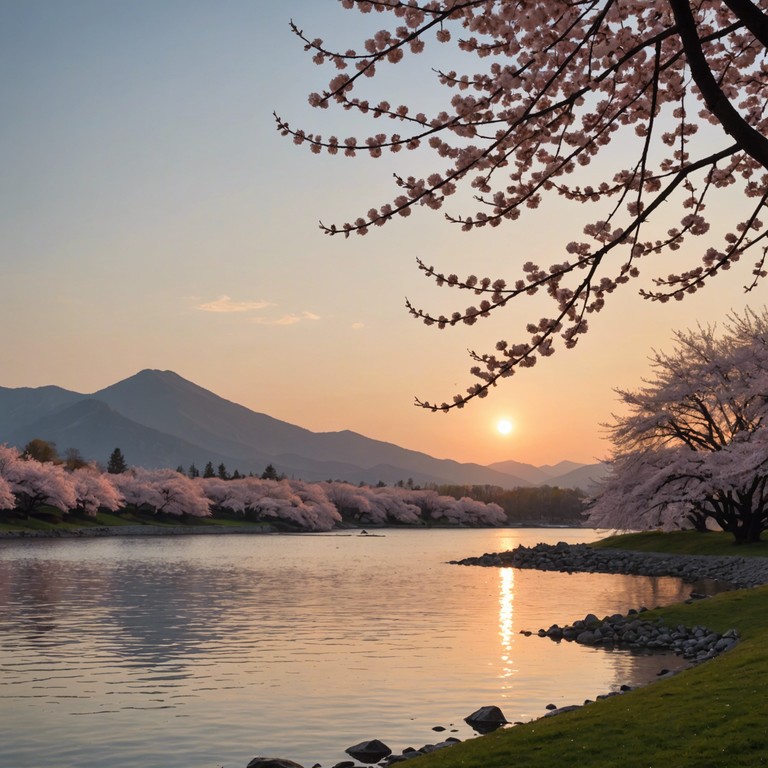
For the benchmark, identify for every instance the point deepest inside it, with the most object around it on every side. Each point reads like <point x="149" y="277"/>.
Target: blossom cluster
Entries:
<point x="557" y="85"/>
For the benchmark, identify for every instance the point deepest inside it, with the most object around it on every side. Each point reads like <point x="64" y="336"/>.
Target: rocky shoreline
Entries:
<point x="733" y="571"/>
<point x="694" y="644"/>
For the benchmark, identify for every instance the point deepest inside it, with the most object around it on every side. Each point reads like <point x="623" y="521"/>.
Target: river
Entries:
<point x="205" y="651"/>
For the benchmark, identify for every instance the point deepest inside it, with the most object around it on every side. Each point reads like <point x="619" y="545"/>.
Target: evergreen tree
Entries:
<point x="116" y="464"/>
<point x="236" y="475"/>
<point x="209" y="471"/>
<point x="222" y="472"/>
<point x="193" y="471"/>
<point x="270" y="473"/>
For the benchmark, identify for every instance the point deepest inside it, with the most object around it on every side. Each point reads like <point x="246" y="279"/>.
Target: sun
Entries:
<point x="504" y="426"/>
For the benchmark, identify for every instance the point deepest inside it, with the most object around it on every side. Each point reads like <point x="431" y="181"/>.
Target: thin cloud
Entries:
<point x="227" y="304"/>
<point x="291" y="319"/>
<point x="358" y="326"/>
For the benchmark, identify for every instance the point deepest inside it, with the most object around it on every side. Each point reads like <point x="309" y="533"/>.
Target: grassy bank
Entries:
<point x="711" y="716"/>
<point x="684" y="543"/>
<point x="57" y="525"/>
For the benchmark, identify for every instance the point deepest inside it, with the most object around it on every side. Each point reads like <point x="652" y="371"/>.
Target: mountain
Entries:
<point x="560" y="469"/>
<point x="159" y="419"/>
<point x="534" y="475"/>
<point x="26" y="404"/>
<point x="564" y="474"/>
<point x="584" y="476"/>
<point x="96" y="430"/>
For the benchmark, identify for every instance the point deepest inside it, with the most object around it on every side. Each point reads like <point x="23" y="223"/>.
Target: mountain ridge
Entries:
<point x="158" y="418"/>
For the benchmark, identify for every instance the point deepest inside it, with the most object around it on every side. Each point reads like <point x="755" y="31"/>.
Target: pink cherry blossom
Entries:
<point x="95" y="490"/>
<point x="35" y="484"/>
<point x="555" y="86"/>
<point x="163" y="491"/>
<point x="691" y="449"/>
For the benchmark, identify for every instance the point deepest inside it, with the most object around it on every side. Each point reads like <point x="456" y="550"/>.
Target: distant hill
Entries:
<point x="159" y="419"/>
<point x="565" y="474"/>
<point x="534" y="475"/>
<point x="584" y="477"/>
<point x="19" y="407"/>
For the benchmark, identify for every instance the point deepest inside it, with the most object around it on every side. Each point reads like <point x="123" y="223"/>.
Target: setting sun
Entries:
<point x="504" y="426"/>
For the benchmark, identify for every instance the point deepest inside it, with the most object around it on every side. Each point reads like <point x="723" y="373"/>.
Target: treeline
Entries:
<point x="268" y="495"/>
<point x="31" y="487"/>
<point x="543" y="505"/>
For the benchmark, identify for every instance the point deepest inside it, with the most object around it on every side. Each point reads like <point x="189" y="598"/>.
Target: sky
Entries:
<point x="151" y="216"/>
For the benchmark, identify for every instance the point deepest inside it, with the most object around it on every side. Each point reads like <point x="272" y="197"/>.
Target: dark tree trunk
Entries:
<point x="746" y="526"/>
<point x="747" y="534"/>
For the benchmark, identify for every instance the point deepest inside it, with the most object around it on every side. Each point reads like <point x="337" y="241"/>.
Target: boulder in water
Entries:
<point x="486" y="719"/>
<point x="369" y="751"/>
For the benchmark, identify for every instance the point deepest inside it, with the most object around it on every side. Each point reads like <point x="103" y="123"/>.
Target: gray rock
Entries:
<point x="486" y="719"/>
<point x="562" y="710"/>
<point x="369" y="751"/>
<point x="272" y="762"/>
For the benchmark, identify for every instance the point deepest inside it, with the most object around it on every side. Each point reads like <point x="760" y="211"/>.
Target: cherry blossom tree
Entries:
<point x="303" y="505"/>
<point x="164" y="491"/>
<point x="315" y="509"/>
<point x="407" y="506"/>
<point x="692" y="448"/>
<point x="7" y="499"/>
<point x="394" y="505"/>
<point x="36" y="484"/>
<point x="94" y="491"/>
<point x="556" y="85"/>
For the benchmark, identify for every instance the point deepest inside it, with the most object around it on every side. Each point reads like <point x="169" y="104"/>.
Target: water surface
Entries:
<point x="205" y="651"/>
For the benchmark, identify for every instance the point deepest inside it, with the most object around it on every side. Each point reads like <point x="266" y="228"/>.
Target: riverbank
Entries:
<point x="97" y="531"/>
<point x="106" y="524"/>
<point x="713" y="714"/>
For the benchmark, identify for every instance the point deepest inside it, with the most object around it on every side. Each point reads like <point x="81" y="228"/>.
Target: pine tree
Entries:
<point x="209" y="471"/>
<point x="116" y="464"/>
<point x="270" y="473"/>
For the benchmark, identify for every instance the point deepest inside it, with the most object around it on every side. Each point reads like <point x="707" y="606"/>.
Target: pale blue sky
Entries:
<point x="143" y="181"/>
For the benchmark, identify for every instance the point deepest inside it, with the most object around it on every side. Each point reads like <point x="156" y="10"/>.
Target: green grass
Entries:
<point x="684" y="543"/>
<point x="714" y="715"/>
<point x="52" y="523"/>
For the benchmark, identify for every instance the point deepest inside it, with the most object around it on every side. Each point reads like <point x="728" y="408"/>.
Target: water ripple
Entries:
<point x="172" y="652"/>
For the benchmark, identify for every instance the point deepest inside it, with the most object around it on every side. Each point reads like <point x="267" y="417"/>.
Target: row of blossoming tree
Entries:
<point x="691" y="449"/>
<point x="28" y="486"/>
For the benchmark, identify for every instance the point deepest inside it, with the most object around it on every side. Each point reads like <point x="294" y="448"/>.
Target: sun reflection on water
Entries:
<point x="506" y="633"/>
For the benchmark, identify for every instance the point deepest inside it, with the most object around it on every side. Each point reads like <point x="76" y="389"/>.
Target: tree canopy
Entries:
<point x="692" y="448"/>
<point x="557" y="84"/>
